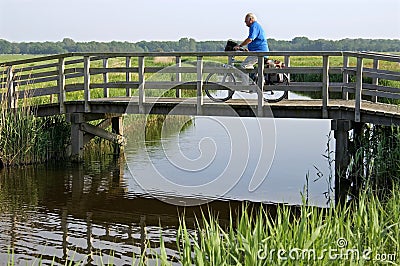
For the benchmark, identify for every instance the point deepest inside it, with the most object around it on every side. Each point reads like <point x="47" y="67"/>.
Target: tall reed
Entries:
<point x="361" y="233"/>
<point x="376" y="160"/>
<point x="26" y="138"/>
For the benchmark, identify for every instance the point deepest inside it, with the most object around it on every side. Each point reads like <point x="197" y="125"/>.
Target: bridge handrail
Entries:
<point x="68" y="66"/>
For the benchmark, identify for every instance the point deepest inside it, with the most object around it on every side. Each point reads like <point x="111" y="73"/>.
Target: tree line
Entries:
<point x="191" y="45"/>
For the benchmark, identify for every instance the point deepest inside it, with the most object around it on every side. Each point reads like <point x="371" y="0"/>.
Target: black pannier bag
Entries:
<point x="229" y="45"/>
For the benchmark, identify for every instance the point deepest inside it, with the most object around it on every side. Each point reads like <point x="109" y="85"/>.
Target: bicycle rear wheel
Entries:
<point x="220" y="83"/>
<point x="273" y="96"/>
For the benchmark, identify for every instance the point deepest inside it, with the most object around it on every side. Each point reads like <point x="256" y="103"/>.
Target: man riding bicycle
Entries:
<point x="256" y="41"/>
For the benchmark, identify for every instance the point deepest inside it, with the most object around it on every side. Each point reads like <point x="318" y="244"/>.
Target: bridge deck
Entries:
<point x="377" y="113"/>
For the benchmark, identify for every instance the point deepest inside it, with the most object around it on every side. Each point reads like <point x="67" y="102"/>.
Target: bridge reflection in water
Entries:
<point x="58" y="212"/>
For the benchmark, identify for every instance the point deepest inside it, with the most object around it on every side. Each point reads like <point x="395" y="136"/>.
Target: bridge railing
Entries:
<point x="64" y="78"/>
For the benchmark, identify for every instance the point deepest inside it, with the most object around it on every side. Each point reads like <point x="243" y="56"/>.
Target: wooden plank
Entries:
<point x="382" y="94"/>
<point x="350" y="71"/>
<point x="35" y="81"/>
<point x="142" y="96"/>
<point x="392" y="75"/>
<point x="86" y="82"/>
<point x="359" y="87"/>
<point x="103" y="124"/>
<point x="224" y="70"/>
<point x="178" y="75"/>
<point x="36" y="75"/>
<point x="104" y="70"/>
<point x="381" y="88"/>
<point x="74" y="70"/>
<point x="81" y="60"/>
<point x="31" y="68"/>
<point x="260" y="95"/>
<point x="325" y="87"/>
<point x="74" y="61"/>
<point x="74" y="87"/>
<point x="106" y="92"/>
<point x="100" y="132"/>
<point x="296" y="70"/>
<point x="115" y="85"/>
<point x="31" y="93"/>
<point x="345" y="77"/>
<point x="199" y="94"/>
<point x="61" y="85"/>
<point x="72" y="76"/>
<point x="372" y="55"/>
<point x="170" y="69"/>
<point x="128" y="76"/>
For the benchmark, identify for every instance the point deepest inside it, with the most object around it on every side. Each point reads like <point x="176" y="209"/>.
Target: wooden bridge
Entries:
<point x="353" y="88"/>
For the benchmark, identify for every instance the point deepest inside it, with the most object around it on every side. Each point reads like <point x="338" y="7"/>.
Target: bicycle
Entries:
<point x="218" y="83"/>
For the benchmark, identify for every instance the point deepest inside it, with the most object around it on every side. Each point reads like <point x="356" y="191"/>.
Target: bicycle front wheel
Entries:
<point x="274" y="96"/>
<point x="218" y="86"/>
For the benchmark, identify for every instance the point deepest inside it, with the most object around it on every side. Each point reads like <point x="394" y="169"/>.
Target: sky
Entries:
<point x="170" y="20"/>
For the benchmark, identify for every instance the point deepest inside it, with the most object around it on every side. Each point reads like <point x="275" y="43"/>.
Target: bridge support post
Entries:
<point x="76" y="137"/>
<point x="82" y="132"/>
<point x="342" y="159"/>
<point x="117" y="127"/>
<point x="356" y="172"/>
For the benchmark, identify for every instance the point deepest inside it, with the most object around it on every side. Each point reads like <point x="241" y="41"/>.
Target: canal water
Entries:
<point x="109" y="207"/>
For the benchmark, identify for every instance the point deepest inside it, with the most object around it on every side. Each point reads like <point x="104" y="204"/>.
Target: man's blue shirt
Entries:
<point x="258" y="38"/>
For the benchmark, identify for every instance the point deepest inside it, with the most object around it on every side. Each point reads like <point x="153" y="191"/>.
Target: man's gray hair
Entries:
<point x="251" y="15"/>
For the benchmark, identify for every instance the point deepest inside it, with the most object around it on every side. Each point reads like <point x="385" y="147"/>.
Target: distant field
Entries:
<point x="13" y="57"/>
<point x="294" y="60"/>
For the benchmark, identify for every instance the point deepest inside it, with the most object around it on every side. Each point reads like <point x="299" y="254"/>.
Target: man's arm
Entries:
<point x="244" y="43"/>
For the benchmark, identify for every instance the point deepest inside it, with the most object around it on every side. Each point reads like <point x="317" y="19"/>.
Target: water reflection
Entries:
<point x="189" y="163"/>
<point x="69" y="211"/>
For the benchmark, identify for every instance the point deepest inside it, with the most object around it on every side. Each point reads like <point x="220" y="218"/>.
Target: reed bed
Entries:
<point x="376" y="161"/>
<point x="362" y="233"/>
<point x="26" y="138"/>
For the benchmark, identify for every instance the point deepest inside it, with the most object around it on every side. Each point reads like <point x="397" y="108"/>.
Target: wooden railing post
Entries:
<point x="199" y="85"/>
<point x="375" y="80"/>
<point x="260" y="102"/>
<point x="142" y="95"/>
<point x="345" y="78"/>
<point x="178" y="76"/>
<point x="230" y="60"/>
<point x="61" y="84"/>
<point x="325" y="86"/>
<point x="106" y="92"/>
<point x="287" y="64"/>
<point x="128" y="76"/>
<point x="359" y="75"/>
<point x="86" y="78"/>
<point x="11" y="91"/>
